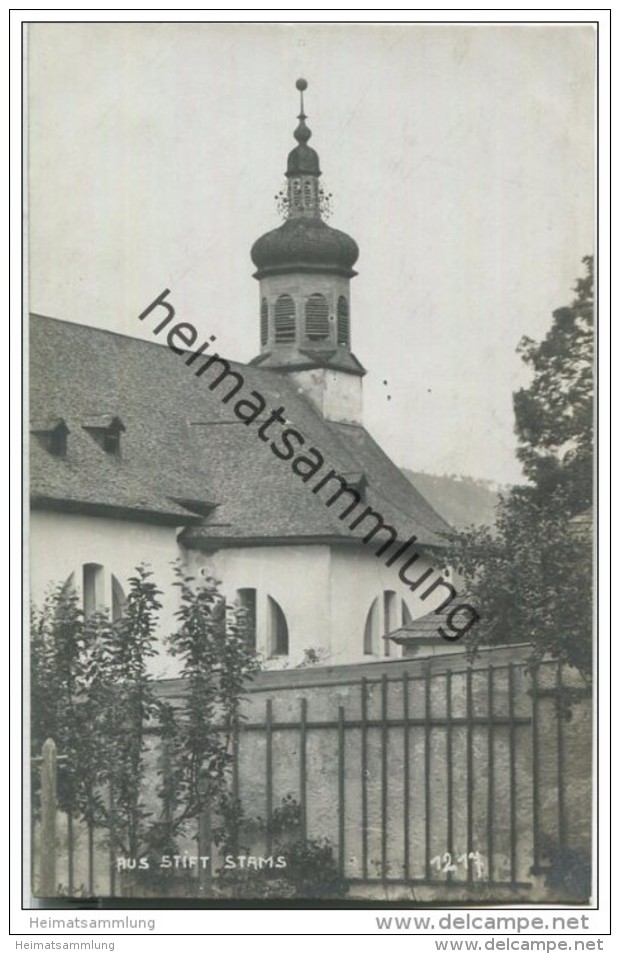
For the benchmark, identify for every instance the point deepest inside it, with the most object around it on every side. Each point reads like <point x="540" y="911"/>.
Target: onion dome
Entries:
<point x="305" y="244"/>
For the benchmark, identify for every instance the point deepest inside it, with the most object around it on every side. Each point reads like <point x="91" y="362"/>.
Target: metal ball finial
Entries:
<point x="301" y="85"/>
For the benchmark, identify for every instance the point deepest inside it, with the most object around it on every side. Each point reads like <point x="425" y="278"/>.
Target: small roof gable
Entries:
<point x="47" y="425"/>
<point x="103" y="422"/>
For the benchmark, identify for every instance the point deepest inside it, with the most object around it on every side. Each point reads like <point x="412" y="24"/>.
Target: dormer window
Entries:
<point x="106" y="430"/>
<point x="357" y="481"/>
<point x="112" y="441"/>
<point x="52" y="434"/>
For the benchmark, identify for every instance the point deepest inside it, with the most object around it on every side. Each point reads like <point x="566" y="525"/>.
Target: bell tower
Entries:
<point x="304" y="269"/>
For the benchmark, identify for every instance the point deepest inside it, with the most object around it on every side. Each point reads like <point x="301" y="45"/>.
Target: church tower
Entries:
<point x="304" y="269"/>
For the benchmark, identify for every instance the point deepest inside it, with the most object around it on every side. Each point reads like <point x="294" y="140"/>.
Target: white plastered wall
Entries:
<point x="336" y="394"/>
<point x="296" y="576"/>
<point x="358" y="577"/>
<point x="60" y="544"/>
<point x="325" y="592"/>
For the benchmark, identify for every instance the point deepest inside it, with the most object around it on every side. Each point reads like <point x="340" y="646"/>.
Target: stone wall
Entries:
<point x="431" y="779"/>
<point x="506" y="779"/>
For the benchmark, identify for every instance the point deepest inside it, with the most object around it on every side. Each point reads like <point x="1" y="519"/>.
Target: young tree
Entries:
<point x="93" y="694"/>
<point x="127" y="704"/>
<point x="531" y="574"/>
<point x="216" y="662"/>
<point x="62" y="677"/>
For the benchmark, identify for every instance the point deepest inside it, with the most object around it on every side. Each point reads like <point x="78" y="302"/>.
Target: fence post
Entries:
<point x="205" y="832"/>
<point x="47" y="850"/>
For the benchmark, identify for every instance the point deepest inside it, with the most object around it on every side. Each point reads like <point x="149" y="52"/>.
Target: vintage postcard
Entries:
<point x="310" y="436"/>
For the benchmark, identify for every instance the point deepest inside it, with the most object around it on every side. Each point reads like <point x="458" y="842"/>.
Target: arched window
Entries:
<point x="317" y="322"/>
<point x="285" y="319"/>
<point x="118" y="599"/>
<point x="246" y="600"/>
<point x="278" y="629"/>
<point x="385" y="616"/>
<point x="264" y="321"/>
<point x="307" y="194"/>
<point x="370" y="629"/>
<point x="391" y="618"/>
<point x="342" y="324"/>
<point x="93" y="588"/>
<point x="101" y="592"/>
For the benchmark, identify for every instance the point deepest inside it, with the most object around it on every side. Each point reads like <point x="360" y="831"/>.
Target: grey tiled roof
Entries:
<point x="183" y="449"/>
<point x="421" y="629"/>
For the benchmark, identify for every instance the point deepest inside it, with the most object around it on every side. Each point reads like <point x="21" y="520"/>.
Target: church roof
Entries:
<point x="184" y="457"/>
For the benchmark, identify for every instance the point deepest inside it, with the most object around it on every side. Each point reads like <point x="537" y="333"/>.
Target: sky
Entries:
<point x="460" y="158"/>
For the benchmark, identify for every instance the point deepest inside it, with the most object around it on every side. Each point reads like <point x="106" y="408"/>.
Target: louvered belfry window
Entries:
<point x="343" y="320"/>
<point x="285" y="318"/>
<point x="264" y="321"/>
<point x="317" y="322"/>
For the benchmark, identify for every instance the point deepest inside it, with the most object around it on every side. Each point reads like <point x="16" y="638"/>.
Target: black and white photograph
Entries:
<point x="310" y="441"/>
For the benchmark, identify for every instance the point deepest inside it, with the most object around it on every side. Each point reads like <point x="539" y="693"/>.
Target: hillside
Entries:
<point x="461" y="501"/>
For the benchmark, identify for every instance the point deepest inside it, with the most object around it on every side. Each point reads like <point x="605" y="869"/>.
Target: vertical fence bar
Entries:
<point x="70" y="852"/>
<point x="47" y="845"/>
<point x="406" y="792"/>
<point x="235" y="783"/>
<point x="205" y="832"/>
<point x="91" y="858"/>
<point x="449" y="772"/>
<point x="166" y="770"/>
<point x="33" y="834"/>
<point x="384" y="775"/>
<point x="269" y="772"/>
<point x="470" y="774"/>
<point x="535" y="773"/>
<point x="112" y="837"/>
<point x="341" y="793"/>
<point x="490" y="768"/>
<point x="512" y="741"/>
<point x="427" y="772"/>
<point x="364" y="760"/>
<point x="559" y="708"/>
<point x="303" y="781"/>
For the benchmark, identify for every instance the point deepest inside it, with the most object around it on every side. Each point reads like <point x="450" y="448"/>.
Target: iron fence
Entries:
<point x="461" y="777"/>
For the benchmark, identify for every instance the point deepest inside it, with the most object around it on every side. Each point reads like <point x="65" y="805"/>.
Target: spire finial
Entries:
<point x="301" y="85"/>
<point x="302" y="133"/>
